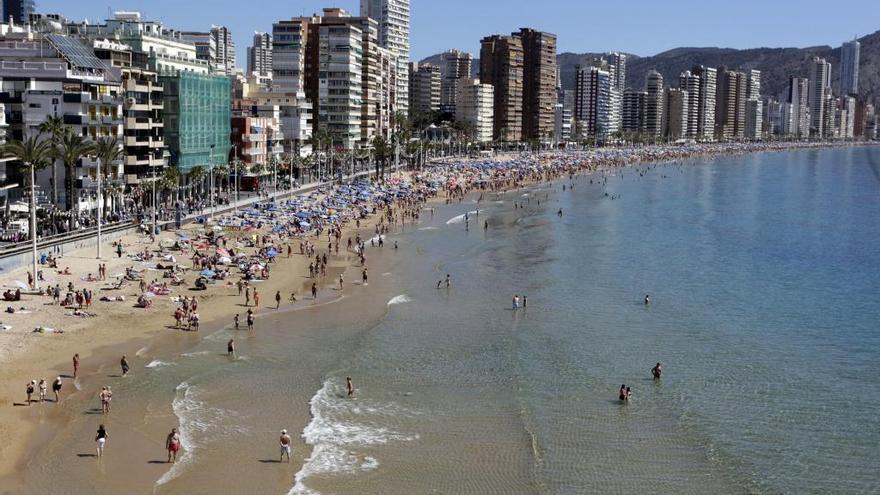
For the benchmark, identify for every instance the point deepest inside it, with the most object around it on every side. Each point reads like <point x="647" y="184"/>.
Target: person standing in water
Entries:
<point x="56" y="387"/>
<point x="172" y="445"/>
<point x="448" y="281"/>
<point x="75" y="365"/>
<point x="101" y="440"/>
<point x="621" y="394"/>
<point x="123" y="363"/>
<point x="235" y="321"/>
<point x="657" y="371"/>
<point x="230" y="348"/>
<point x="364" y="276"/>
<point x="285" y="445"/>
<point x="647" y="299"/>
<point x="349" y="387"/>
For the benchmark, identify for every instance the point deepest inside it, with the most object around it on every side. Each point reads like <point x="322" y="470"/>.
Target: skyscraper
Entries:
<point x="225" y="62"/>
<point x="539" y="83"/>
<point x="394" y="21"/>
<point x="474" y="107"/>
<point x="501" y="65"/>
<point x="593" y="102"/>
<point x="705" y="102"/>
<point x="849" y="68"/>
<point x="259" y="55"/>
<point x="654" y="105"/>
<point x="795" y="109"/>
<point x="690" y="84"/>
<point x="820" y="87"/>
<point x="675" y="115"/>
<point x="454" y="65"/>
<point x="617" y="69"/>
<point x="730" y="105"/>
<point x="424" y="88"/>
<point x="633" y="115"/>
<point x="19" y="10"/>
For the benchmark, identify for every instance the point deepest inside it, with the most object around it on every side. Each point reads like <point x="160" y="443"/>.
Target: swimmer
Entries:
<point x="621" y="394"/>
<point x="230" y="348"/>
<point x="647" y="299"/>
<point x="657" y="371"/>
<point x="448" y="281"/>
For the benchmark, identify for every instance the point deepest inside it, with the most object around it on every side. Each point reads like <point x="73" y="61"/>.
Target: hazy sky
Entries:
<point x="643" y="27"/>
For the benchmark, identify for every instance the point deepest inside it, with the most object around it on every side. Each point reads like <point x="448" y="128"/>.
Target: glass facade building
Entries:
<point x="197" y="115"/>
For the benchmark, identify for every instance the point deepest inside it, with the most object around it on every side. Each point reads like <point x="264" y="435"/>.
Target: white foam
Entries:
<point x="141" y="351"/>
<point x="158" y="364"/>
<point x="198" y="353"/>
<point x="460" y="218"/>
<point x="429" y="228"/>
<point x="403" y="298"/>
<point x="198" y="425"/>
<point x="332" y="434"/>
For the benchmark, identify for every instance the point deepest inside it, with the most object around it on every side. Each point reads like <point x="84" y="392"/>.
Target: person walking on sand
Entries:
<point x="43" y="387"/>
<point x="101" y="440"/>
<point x="235" y="321"/>
<point x="256" y="298"/>
<point x="104" y="396"/>
<point x="364" y="276"/>
<point x="172" y="445"/>
<point x="56" y="387"/>
<point x="123" y="363"/>
<point x="250" y="319"/>
<point x="349" y="387"/>
<point x="31" y="386"/>
<point x="247" y="296"/>
<point x="341" y="281"/>
<point x="277" y="299"/>
<point x="314" y="291"/>
<point x="75" y="365"/>
<point x="285" y="445"/>
<point x="230" y="348"/>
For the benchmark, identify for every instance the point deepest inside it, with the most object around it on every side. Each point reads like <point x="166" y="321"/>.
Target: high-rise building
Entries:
<point x="501" y="65"/>
<point x="393" y="17"/>
<point x="259" y="55"/>
<point x="617" y="69"/>
<point x="289" y="39"/>
<point x="594" y="102"/>
<point x="754" y="107"/>
<point x="424" y="88"/>
<point x="564" y="115"/>
<point x="849" y="68"/>
<point x="705" y="102"/>
<point x="772" y="116"/>
<point x="820" y="89"/>
<point x="225" y="63"/>
<point x="539" y="83"/>
<point x="796" y="110"/>
<point x="633" y="115"/>
<point x="19" y="10"/>
<point x="690" y="84"/>
<point x="474" y="107"/>
<point x="654" y="105"/>
<point x="454" y="65"/>
<point x="730" y="105"/>
<point x="675" y="120"/>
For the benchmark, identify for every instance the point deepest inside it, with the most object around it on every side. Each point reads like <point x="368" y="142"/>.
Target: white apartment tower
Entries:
<point x="706" y="102"/>
<point x="475" y="105"/>
<point x="594" y="103"/>
<point x="225" y="50"/>
<point x="617" y="69"/>
<point x="820" y="88"/>
<point x="849" y="68"/>
<point x="259" y="55"/>
<point x="795" y="109"/>
<point x="654" y="104"/>
<point x="454" y="65"/>
<point x="393" y="19"/>
<point x="690" y="84"/>
<point x="340" y="86"/>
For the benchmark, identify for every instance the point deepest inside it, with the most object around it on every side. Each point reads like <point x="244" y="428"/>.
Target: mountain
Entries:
<point x="776" y="65"/>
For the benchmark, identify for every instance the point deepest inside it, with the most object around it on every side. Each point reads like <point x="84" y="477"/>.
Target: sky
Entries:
<point x="641" y="27"/>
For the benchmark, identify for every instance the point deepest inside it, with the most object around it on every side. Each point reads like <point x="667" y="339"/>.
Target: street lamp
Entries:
<point x="33" y="226"/>
<point x="212" y="182"/>
<point x="98" y="174"/>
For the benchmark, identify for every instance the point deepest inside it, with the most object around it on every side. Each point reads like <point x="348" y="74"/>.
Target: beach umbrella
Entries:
<point x="21" y="285"/>
<point x="207" y="273"/>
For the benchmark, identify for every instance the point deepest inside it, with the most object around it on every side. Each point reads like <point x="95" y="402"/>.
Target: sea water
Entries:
<point x="763" y="272"/>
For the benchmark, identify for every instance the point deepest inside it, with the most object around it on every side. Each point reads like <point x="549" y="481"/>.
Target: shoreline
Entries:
<point x="18" y="431"/>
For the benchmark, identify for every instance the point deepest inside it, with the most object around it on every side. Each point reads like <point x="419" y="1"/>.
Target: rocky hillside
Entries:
<point x="776" y="64"/>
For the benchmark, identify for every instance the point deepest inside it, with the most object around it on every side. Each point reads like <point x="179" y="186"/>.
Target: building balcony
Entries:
<point x="136" y="123"/>
<point x="111" y="119"/>
<point x="74" y="119"/>
<point x="78" y="97"/>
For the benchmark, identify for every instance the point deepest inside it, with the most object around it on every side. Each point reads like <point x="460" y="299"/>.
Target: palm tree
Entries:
<point x="194" y="174"/>
<point x="170" y="179"/>
<point x="381" y="151"/>
<point x="71" y="148"/>
<point x="108" y="150"/>
<point x="35" y="154"/>
<point x="53" y="126"/>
